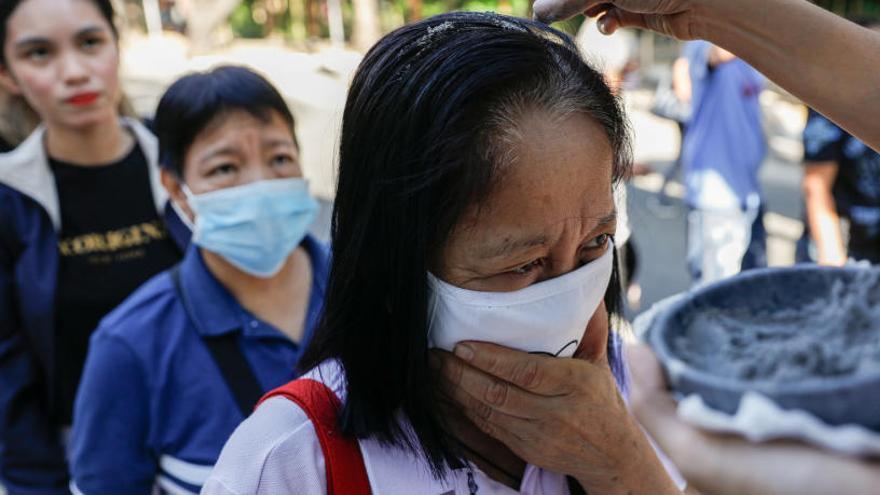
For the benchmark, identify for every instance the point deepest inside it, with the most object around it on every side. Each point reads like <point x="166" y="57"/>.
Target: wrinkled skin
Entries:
<point x="669" y="17"/>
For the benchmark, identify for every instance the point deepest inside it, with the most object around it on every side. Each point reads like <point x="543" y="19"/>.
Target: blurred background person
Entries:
<point x="84" y="222"/>
<point x="17" y="120"/>
<point x="841" y="184"/>
<point x="672" y="101"/>
<point x="723" y="149"/>
<point x="841" y="187"/>
<point x="174" y="369"/>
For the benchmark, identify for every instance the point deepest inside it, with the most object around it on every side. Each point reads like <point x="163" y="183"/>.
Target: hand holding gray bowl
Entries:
<point x="807" y="337"/>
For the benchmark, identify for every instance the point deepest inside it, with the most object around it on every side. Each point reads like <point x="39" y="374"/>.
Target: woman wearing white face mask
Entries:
<point x="183" y="361"/>
<point x="477" y="159"/>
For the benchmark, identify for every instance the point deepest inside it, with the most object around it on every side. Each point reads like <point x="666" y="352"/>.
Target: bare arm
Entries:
<point x="681" y="80"/>
<point x="718" y="56"/>
<point x="830" y="63"/>
<point x="729" y="465"/>
<point x="822" y="214"/>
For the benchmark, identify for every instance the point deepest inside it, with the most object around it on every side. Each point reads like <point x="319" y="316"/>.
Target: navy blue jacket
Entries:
<point x="32" y="457"/>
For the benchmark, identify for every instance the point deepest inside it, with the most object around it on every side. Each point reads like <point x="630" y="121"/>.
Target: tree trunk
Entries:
<point x="366" y="29"/>
<point x="415" y="10"/>
<point x="203" y="17"/>
<point x="313" y="10"/>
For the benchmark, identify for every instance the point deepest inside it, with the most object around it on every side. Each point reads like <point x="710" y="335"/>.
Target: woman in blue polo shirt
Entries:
<point x="175" y="368"/>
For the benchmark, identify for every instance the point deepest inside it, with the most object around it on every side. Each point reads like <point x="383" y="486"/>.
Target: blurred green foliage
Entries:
<point x="852" y="8"/>
<point x="293" y="18"/>
<point x="260" y="18"/>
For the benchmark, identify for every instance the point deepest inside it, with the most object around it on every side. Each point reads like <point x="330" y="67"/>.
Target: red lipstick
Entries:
<point x="83" y="99"/>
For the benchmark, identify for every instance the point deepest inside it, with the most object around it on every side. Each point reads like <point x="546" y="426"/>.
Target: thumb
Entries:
<point x="548" y="11"/>
<point x="673" y="25"/>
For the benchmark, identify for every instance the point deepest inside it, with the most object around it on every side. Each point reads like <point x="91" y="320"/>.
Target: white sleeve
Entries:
<point x="274" y="451"/>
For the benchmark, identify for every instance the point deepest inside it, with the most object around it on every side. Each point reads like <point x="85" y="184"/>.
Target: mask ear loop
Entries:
<point x="179" y="211"/>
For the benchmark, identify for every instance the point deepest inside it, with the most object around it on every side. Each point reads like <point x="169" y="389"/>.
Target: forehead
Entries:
<point x="559" y="169"/>
<point x="229" y="125"/>
<point x="237" y="125"/>
<point x="53" y="18"/>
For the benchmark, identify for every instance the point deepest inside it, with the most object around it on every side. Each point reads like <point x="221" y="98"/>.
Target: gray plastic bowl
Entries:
<point x="853" y="399"/>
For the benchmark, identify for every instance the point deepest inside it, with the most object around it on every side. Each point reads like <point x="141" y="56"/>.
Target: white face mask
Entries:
<point x="549" y="317"/>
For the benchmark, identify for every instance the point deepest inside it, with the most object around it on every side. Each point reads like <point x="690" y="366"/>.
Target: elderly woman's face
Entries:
<point x="551" y="212"/>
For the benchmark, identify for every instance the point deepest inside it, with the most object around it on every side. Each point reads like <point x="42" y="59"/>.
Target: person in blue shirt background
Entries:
<point x="174" y="369"/>
<point x="841" y="181"/>
<point x="722" y="151"/>
<point x="84" y="221"/>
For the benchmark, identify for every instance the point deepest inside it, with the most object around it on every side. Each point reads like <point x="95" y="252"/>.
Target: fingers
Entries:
<point x="487" y="394"/>
<point x="597" y="9"/>
<point x="674" y="24"/>
<point x="497" y="425"/>
<point x="541" y="375"/>
<point x="548" y="11"/>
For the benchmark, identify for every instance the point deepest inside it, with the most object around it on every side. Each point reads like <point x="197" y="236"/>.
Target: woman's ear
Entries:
<point x="174" y="186"/>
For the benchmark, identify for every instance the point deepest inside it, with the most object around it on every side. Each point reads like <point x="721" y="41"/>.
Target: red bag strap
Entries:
<point x="346" y="472"/>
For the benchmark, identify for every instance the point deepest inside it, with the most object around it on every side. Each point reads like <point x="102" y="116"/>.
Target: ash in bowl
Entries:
<point x="832" y="336"/>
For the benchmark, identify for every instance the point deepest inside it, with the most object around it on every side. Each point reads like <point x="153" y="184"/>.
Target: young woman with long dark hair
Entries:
<point x="84" y="222"/>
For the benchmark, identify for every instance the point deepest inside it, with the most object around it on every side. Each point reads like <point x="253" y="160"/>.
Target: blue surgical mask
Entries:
<point x="256" y="226"/>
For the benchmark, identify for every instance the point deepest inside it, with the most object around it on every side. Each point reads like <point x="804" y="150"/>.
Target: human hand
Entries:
<point x="564" y="415"/>
<point x="725" y="464"/>
<point x="670" y="17"/>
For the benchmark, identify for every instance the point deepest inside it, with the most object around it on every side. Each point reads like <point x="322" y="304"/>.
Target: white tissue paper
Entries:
<point x="759" y="419"/>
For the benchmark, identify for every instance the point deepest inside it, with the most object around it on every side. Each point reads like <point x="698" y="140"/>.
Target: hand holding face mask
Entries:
<point x="563" y="415"/>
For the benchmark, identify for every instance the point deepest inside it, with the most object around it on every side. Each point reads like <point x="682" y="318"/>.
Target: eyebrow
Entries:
<point x="513" y="245"/>
<point x="279" y="142"/>
<point x="232" y="150"/>
<point x="33" y="40"/>
<point x="225" y="150"/>
<point x="40" y="40"/>
<point x="90" y="30"/>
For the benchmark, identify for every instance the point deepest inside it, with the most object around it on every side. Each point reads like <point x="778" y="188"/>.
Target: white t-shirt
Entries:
<point x="277" y="451"/>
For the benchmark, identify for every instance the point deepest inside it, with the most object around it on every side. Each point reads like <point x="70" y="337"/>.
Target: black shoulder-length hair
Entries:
<point x="195" y="101"/>
<point x="428" y="118"/>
